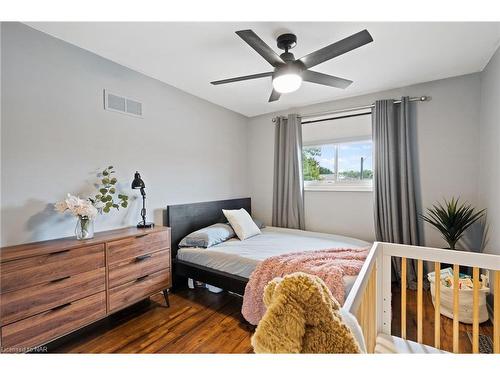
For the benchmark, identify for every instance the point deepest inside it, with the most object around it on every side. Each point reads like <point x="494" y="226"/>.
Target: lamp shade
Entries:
<point x="138" y="183"/>
<point x="287" y="83"/>
<point x="287" y="79"/>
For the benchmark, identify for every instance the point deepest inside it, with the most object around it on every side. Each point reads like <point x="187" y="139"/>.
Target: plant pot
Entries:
<point x="84" y="229"/>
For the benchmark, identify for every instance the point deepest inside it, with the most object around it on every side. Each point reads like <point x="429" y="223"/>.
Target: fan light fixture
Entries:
<point x="286" y="83"/>
<point x="289" y="72"/>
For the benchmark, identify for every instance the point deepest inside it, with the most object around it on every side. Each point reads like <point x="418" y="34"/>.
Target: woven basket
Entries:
<point x="465" y="297"/>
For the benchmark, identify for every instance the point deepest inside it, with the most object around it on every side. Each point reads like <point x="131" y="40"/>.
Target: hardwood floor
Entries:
<point x="202" y="322"/>
<point x="197" y="322"/>
<point x="465" y="345"/>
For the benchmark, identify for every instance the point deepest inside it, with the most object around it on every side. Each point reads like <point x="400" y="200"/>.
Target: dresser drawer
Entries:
<point x="138" y="289"/>
<point x="131" y="269"/>
<point x="49" y="325"/>
<point x="23" y="303"/>
<point x="135" y="246"/>
<point x="23" y="273"/>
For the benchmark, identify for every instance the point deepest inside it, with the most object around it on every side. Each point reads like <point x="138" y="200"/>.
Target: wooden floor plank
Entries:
<point x="197" y="335"/>
<point x="225" y="339"/>
<point x="188" y="324"/>
<point x="244" y="345"/>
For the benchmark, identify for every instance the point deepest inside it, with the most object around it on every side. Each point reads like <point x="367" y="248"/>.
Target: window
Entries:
<point x="338" y="164"/>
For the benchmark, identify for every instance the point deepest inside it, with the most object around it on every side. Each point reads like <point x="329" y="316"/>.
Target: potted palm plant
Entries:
<point x="452" y="219"/>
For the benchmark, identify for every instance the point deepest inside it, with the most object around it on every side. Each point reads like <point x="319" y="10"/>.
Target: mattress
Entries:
<point x="242" y="257"/>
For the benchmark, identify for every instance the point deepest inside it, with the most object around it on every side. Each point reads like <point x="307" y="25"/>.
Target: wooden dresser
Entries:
<point x="51" y="288"/>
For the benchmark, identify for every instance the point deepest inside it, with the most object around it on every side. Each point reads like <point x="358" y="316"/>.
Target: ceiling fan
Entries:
<point x="288" y="72"/>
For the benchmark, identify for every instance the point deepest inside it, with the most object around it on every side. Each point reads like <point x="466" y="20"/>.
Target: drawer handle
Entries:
<point x="141" y="278"/>
<point x="141" y="235"/>
<point x="60" y="279"/>
<point x="142" y="257"/>
<point x="61" y="307"/>
<point x="59" y="252"/>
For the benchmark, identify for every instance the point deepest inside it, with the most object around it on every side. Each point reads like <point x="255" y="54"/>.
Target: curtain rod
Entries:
<point x="336" y="118"/>
<point x="312" y="115"/>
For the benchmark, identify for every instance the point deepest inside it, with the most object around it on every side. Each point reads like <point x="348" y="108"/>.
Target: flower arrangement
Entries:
<point x="86" y="210"/>
<point x="82" y="208"/>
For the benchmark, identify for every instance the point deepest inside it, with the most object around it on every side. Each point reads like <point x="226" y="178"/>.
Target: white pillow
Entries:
<point x="242" y="223"/>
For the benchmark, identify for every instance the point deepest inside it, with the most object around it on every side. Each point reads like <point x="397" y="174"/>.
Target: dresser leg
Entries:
<point x="165" y="294"/>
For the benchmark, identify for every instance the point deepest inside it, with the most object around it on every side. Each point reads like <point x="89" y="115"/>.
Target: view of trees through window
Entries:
<point x="338" y="163"/>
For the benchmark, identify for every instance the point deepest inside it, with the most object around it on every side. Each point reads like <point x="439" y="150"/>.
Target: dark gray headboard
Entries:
<point x="186" y="218"/>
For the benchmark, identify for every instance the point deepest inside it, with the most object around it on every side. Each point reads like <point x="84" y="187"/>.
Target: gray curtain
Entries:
<point x="288" y="189"/>
<point x="396" y="218"/>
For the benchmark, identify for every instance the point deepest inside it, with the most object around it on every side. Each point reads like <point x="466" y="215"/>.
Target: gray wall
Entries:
<point x="446" y="145"/>
<point x="490" y="150"/>
<point x="55" y="135"/>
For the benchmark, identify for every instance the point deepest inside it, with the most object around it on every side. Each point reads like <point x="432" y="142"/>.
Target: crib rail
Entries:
<point x="370" y="296"/>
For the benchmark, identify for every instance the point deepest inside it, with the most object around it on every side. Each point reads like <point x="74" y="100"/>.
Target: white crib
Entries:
<point x="370" y="297"/>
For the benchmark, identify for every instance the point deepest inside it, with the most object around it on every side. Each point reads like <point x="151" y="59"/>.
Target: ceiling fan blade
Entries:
<point x="275" y="95"/>
<point x="261" y="47"/>
<point x="336" y="49"/>
<point x="242" y="78"/>
<point x="325" y="79"/>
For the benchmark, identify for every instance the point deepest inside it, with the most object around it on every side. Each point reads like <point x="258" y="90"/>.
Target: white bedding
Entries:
<point x="241" y="257"/>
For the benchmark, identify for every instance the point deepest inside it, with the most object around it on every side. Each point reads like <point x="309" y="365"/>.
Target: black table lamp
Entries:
<point x="139" y="184"/>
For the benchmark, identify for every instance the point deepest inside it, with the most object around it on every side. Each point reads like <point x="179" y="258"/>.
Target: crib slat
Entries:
<point x="420" y="281"/>
<point x="403" y="298"/>
<point x="475" y="311"/>
<point x="366" y="313"/>
<point x="437" y="305"/>
<point x="496" y="312"/>
<point x="456" y="269"/>
<point x="373" y="310"/>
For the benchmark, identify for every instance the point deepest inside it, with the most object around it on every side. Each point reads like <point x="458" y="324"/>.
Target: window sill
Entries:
<point x="367" y="189"/>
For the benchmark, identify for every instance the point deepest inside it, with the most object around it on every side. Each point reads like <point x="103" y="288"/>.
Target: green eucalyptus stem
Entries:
<point x="84" y="224"/>
<point x="107" y="192"/>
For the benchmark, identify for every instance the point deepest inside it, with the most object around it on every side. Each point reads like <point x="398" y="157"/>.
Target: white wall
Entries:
<point x="55" y="135"/>
<point x="490" y="150"/>
<point x="446" y="143"/>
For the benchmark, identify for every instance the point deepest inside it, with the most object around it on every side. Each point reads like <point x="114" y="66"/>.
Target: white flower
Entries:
<point x="74" y="202"/>
<point x="77" y="207"/>
<point x="87" y="210"/>
<point x="61" y="206"/>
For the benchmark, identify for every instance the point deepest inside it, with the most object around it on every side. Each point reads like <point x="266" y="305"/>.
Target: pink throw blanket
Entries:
<point x="330" y="265"/>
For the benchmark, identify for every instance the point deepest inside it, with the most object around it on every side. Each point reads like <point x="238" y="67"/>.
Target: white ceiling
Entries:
<point x="188" y="55"/>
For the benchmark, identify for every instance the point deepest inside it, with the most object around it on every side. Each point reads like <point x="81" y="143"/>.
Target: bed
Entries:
<point x="228" y="265"/>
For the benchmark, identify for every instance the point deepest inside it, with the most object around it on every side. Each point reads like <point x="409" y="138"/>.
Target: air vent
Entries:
<point x="117" y="103"/>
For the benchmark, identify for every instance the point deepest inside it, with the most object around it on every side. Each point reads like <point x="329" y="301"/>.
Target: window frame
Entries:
<point x="368" y="187"/>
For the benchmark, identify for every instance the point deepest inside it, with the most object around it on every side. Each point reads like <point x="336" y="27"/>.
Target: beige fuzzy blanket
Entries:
<point x="330" y="265"/>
